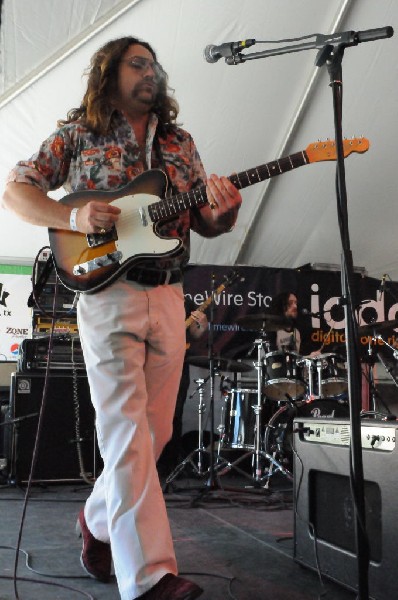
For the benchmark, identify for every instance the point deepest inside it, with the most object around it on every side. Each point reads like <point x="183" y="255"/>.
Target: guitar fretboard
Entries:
<point x="171" y="207"/>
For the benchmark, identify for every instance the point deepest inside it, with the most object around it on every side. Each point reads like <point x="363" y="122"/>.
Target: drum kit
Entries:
<point x="257" y="417"/>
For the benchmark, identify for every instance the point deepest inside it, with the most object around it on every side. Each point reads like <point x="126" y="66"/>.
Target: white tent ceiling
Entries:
<point x="240" y="116"/>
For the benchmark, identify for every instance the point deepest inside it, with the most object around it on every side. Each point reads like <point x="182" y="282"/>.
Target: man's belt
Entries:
<point x="153" y="276"/>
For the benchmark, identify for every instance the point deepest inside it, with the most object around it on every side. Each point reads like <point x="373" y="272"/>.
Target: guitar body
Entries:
<point x="134" y="236"/>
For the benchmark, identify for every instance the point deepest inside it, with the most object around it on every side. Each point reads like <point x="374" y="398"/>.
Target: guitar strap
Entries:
<point x="171" y="190"/>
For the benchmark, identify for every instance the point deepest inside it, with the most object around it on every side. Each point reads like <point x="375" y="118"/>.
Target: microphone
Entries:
<point x="305" y="311"/>
<point x="213" y="53"/>
<point x="382" y="286"/>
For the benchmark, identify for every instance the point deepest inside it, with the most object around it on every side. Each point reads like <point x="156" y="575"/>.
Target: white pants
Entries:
<point x="133" y="339"/>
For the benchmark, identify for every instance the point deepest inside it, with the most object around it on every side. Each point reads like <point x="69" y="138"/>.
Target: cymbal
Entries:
<point x="378" y="327"/>
<point x="220" y="364"/>
<point x="265" y="321"/>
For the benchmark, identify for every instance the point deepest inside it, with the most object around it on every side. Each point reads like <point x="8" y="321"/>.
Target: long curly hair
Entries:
<point x="96" y="109"/>
<point x="279" y="303"/>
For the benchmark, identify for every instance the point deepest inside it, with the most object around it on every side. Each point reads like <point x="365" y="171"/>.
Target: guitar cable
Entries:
<point x="87" y="477"/>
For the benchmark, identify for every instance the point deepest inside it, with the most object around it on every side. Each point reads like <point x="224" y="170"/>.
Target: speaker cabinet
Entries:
<point x="324" y="527"/>
<point x="67" y="428"/>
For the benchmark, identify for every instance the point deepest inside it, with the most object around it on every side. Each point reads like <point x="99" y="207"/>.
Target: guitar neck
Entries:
<point x="201" y="308"/>
<point x="206" y="303"/>
<point x="196" y="198"/>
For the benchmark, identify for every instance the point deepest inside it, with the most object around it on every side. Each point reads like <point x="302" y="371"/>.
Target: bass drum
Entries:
<point x="278" y="437"/>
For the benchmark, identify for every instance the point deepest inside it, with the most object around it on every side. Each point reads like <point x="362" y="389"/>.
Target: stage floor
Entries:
<point x="234" y="541"/>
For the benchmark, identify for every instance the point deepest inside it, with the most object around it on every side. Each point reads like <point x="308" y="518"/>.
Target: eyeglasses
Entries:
<point x="141" y="64"/>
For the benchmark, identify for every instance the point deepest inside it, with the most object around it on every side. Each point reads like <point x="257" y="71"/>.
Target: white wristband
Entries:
<point x="72" y="219"/>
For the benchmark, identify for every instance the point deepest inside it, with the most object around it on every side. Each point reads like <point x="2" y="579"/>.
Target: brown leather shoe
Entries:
<point x="171" y="587"/>
<point x="96" y="556"/>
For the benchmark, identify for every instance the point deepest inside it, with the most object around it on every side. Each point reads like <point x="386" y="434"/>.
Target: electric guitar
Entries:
<point x="90" y="262"/>
<point x="219" y="290"/>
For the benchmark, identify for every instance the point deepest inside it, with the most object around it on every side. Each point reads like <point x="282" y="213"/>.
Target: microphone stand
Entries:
<point x="333" y="57"/>
<point x="325" y="43"/>
<point x="331" y="50"/>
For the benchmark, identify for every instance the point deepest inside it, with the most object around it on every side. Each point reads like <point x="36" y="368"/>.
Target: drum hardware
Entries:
<point x="257" y="452"/>
<point x="220" y="364"/>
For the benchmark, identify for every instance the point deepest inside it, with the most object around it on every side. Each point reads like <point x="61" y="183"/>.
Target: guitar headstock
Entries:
<point x="231" y="278"/>
<point x="321" y="151"/>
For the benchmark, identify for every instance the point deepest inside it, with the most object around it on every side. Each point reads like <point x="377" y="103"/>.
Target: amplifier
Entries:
<point x="61" y="325"/>
<point x="67" y="445"/>
<point x="374" y="435"/>
<point x="324" y="516"/>
<point x="64" y="300"/>
<point x="66" y="354"/>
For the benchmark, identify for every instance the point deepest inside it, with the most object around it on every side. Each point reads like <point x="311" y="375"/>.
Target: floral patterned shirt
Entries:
<point x="77" y="159"/>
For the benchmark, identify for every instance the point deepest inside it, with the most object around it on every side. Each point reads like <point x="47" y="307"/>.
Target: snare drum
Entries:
<point x="283" y="378"/>
<point x="239" y="419"/>
<point x="331" y="375"/>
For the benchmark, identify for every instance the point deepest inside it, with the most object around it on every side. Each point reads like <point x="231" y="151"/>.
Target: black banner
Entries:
<point x="316" y="290"/>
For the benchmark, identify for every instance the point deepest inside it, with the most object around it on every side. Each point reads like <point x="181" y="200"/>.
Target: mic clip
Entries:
<point x="313" y="314"/>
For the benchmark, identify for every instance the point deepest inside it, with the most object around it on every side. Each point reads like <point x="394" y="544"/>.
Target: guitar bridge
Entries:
<point x="97" y="263"/>
<point x="97" y="239"/>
